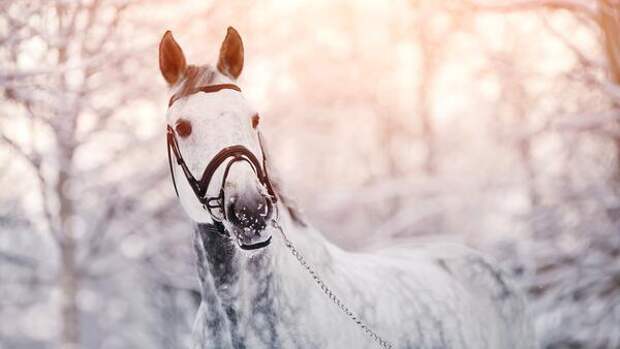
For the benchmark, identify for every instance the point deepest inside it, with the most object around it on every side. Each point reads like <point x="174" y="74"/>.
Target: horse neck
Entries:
<point x="243" y="296"/>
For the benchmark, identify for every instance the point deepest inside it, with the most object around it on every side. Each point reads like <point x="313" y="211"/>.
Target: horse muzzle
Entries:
<point x="248" y="215"/>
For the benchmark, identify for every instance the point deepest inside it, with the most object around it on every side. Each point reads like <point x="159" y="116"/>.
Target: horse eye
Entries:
<point x="183" y="128"/>
<point x="255" y="120"/>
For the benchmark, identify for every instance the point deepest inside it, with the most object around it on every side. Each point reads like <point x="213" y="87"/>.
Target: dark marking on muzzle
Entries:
<point x="256" y="246"/>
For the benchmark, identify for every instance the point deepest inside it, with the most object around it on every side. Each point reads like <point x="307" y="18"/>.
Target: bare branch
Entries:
<point x="585" y="61"/>
<point x="583" y="6"/>
<point x="32" y="159"/>
<point x="19" y="260"/>
<point x="35" y="162"/>
<point x="603" y="123"/>
<point x="112" y="27"/>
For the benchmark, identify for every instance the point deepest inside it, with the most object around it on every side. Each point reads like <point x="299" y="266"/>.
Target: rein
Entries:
<point x="329" y="293"/>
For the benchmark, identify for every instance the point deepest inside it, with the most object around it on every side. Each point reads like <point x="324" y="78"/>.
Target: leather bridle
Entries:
<point x="234" y="153"/>
<point x="205" y="89"/>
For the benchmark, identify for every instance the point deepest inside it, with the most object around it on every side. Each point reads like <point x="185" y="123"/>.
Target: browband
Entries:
<point x="206" y="89"/>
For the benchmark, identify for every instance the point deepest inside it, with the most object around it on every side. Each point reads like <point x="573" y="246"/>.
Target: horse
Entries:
<point x="268" y="279"/>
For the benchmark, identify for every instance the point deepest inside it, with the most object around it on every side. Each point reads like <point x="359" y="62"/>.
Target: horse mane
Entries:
<point x="194" y="76"/>
<point x="289" y="203"/>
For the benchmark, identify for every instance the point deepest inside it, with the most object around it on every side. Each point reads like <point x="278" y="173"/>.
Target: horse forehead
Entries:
<point x="219" y="119"/>
<point x="205" y="106"/>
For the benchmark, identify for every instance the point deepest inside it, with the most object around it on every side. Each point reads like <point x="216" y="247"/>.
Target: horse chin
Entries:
<point x="255" y="245"/>
<point x="259" y="241"/>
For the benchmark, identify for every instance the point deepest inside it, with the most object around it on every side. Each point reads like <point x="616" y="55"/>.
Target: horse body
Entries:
<point x="424" y="296"/>
<point x="256" y="294"/>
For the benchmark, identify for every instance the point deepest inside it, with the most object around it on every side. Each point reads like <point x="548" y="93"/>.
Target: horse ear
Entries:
<point x="231" y="54"/>
<point x="171" y="59"/>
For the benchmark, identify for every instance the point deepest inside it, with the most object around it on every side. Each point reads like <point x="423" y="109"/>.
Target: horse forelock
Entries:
<point x="195" y="76"/>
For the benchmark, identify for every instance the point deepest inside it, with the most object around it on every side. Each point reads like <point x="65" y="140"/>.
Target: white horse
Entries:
<point x="257" y="294"/>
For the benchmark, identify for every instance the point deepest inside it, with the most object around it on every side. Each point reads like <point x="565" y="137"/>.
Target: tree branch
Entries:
<point x="582" y="6"/>
<point x="35" y="162"/>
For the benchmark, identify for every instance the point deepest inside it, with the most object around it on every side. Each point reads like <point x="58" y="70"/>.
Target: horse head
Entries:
<point x="216" y="157"/>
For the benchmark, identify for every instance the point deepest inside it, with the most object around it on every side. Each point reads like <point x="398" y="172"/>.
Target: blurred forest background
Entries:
<point x="493" y="123"/>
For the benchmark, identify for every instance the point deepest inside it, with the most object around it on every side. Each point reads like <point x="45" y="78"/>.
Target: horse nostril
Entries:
<point x="249" y="212"/>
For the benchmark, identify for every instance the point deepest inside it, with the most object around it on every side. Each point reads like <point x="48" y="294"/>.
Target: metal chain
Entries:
<point x="330" y="294"/>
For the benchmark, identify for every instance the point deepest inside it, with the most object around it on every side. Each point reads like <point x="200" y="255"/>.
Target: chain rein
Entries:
<point x="329" y="293"/>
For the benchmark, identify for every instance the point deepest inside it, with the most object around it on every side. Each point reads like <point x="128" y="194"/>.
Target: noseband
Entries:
<point x="234" y="153"/>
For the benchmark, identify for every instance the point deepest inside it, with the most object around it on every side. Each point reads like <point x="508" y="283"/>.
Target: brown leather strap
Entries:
<point x="206" y="89"/>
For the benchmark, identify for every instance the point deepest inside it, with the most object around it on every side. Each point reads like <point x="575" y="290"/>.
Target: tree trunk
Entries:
<point x="427" y="57"/>
<point x="69" y="278"/>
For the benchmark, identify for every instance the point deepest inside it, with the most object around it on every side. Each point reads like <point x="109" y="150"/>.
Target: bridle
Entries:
<point x="234" y="153"/>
